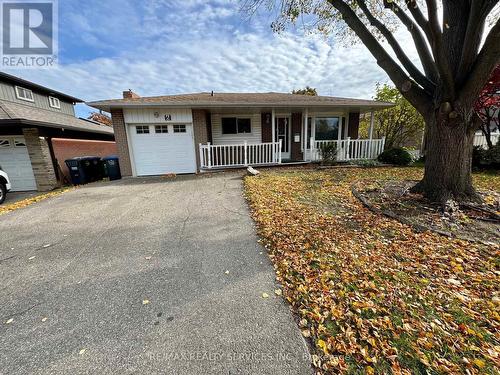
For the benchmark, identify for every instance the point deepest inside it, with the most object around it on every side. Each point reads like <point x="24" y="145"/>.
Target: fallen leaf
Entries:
<point x="147" y="258"/>
<point x="44" y="319"/>
<point x="227" y="272"/>
<point x="82" y="351"/>
<point x="278" y="292"/>
<point x="265" y="295"/>
<point x="145" y="302"/>
<point x="31" y="258"/>
<point x="9" y="321"/>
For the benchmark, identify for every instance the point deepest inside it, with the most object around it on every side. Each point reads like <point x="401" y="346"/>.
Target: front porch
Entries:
<point x="267" y="138"/>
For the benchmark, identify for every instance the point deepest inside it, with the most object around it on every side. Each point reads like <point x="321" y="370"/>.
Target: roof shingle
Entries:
<point x="244" y="99"/>
<point x="15" y="111"/>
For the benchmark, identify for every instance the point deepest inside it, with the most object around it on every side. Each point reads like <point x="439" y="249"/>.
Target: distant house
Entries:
<point x="33" y="120"/>
<point x="205" y="131"/>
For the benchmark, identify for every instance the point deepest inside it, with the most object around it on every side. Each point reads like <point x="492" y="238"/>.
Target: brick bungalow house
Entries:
<point x="204" y="131"/>
<point x="39" y="130"/>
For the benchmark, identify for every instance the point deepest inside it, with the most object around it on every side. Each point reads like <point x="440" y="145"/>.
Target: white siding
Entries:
<point x="224" y="139"/>
<point x="157" y="116"/>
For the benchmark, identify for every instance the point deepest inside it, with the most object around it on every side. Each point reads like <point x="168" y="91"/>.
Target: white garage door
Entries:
<point x="15" y="160"/>
<point x="162" y="149"/>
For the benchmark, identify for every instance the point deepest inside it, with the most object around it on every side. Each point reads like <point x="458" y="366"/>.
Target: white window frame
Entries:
<point x="54" y="102"/>
<point x="20" y="97"/>
<point x="176" y="131"/>
<point x="142" y="129"/>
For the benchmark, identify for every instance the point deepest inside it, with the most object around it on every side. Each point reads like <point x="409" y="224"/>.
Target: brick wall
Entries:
<point x="41" y="160"/>
<point x="69" y="148"/>
<point x="121" y="142"/>
<point x="296" y="153"/>
<point x="267" y="128"/>
<point x="200" y="129"/>
<point x="353" y="125"/>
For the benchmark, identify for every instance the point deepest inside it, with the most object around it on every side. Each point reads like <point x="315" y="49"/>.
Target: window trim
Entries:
<point x="143" y="127"/>
<point x="52" y="105"/>
<point x="241" y="117"/>
<point x="179" y="132"/>
<point x="18" y="96"/>
<point x="161" y="127"/>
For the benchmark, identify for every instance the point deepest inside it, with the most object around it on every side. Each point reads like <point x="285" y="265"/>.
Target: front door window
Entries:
<point x="283" y="133"/>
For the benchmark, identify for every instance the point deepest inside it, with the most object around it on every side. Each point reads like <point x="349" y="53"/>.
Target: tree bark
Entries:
<point x="448" y="163"/>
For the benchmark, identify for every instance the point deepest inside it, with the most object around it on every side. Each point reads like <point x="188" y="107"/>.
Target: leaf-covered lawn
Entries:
<point x="372" y="295"/>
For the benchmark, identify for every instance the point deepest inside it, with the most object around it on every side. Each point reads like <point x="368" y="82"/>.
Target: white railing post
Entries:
<point x="279" y="153"/>
<point x="202" y="158"/>
<point x="383" y="145"/>
<point x="209" y="151"/>
<point x="245" y="147"/>
<point x="311" y="149"/>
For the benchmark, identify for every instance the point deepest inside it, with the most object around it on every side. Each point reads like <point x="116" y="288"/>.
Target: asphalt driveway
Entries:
<point x="142" y="276"/>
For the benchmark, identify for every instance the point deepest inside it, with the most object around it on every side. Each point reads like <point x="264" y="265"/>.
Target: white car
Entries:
<point x="4" y="185"/>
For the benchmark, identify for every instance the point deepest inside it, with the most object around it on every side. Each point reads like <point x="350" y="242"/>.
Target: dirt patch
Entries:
<point x="470" y="222"/>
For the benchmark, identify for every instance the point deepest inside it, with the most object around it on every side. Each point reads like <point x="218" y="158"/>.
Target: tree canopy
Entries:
<point x="307" y="91"/>
<point x="401" y="125"/>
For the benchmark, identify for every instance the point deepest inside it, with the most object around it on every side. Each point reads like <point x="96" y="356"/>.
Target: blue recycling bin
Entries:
<point x="112" y="167"/>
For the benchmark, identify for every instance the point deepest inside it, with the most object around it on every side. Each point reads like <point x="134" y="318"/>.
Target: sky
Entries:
<point x="159" y="47"/>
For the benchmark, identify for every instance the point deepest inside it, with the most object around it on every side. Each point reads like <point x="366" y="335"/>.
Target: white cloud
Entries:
<point x="213" y="55"/>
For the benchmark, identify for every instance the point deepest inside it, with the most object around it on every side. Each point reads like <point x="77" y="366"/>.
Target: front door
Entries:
<point x="283" y="134"/>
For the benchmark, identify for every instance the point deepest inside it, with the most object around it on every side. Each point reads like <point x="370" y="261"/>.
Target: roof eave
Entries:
<point x="117" y="105"/>
<point x="109" y="131"/>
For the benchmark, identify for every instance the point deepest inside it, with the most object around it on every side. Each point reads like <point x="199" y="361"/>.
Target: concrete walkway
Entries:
<point x="142" y="276"/>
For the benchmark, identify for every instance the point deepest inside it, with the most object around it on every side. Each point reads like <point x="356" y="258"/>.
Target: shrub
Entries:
<point x="491" y="157"/>
<point x="328" y="153"/>
<point x="477" y="156"/>
<point x="397" y="156"/>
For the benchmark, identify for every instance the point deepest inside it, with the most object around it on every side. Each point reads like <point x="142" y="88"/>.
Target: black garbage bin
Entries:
<point x="112" y="166"/>
<point x="76" y="171"/>
<point x="93" y="168"/>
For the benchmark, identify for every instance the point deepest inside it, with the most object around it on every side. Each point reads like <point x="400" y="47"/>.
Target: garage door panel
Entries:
<point x="15" y="160"/>
<point x="162" y="153"/>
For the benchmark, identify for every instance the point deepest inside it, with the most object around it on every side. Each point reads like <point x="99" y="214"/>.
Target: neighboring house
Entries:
<point x="31" y="116"/>
<point x="197" y="132"/>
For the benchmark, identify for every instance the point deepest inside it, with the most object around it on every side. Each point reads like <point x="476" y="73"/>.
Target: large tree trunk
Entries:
<point x="448" y="161"/>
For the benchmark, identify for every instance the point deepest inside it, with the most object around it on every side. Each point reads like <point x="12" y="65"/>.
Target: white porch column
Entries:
<point x="305" y="140"/>
<point x="370" y="144"/>
<point x="273" y="125"/>
<point x="372" y="120"/>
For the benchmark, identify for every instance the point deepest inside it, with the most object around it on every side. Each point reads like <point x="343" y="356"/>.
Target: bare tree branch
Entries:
<point x="419" y="18"/>
<point x="420" y="78"/>
<point x="419" y="40"/>
<point x="436" y="41"/>
<point x="488" y="58"/>
<point x="411" y="92"/>
<point x="472" y="41"/>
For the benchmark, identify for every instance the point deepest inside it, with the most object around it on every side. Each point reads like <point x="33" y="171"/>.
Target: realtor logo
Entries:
<point x="29" y="33"/>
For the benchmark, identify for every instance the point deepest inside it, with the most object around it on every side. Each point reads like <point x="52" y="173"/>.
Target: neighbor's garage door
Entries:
<point x="162" y="149"/>
<point x="15" y="160"/>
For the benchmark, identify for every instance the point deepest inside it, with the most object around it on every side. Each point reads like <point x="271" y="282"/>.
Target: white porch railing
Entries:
<point x="239" y="155"/>
<point x="480" y="140"/>
<point x="349" y="149"/>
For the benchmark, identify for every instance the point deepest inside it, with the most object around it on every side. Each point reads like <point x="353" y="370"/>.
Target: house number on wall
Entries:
<point x="168" y="117"/>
